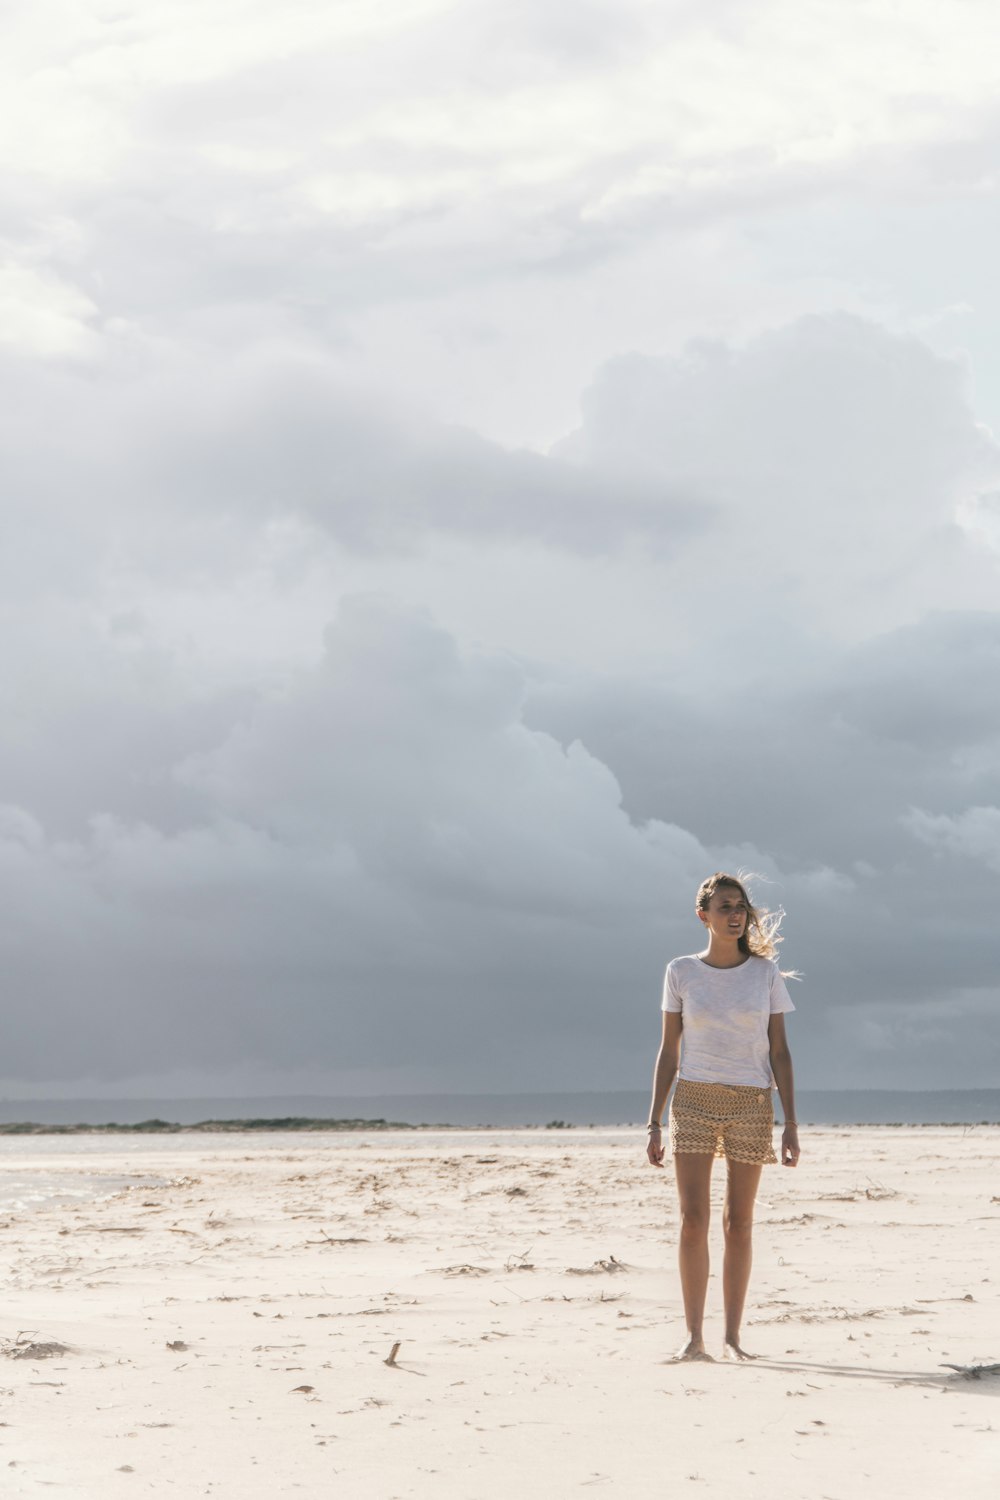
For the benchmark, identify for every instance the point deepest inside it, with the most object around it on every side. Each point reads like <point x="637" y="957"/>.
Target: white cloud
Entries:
<point x="973" y="834"/>
<point x="43" y="316"/>
<point x="346" y="175"/>
<point x="838" y="456"/>
<point x="191" y="461"/>
<point x="980" y="516"/>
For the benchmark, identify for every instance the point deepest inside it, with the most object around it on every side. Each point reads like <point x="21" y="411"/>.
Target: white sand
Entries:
<point x="532" y="1363"/>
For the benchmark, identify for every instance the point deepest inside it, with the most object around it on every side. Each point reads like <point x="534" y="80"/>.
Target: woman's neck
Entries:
<point x="723" y="954"/>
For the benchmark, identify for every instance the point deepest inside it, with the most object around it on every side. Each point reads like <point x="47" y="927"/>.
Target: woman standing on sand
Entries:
<point x="728" y="1003"/>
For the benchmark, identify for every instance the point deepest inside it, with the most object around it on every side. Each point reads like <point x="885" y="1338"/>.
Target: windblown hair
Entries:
<point x="760" y="937"/>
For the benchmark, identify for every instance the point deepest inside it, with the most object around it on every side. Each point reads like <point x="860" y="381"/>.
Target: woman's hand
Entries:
<point x="790" y="1146"/>
<point x="654" y="1147"/>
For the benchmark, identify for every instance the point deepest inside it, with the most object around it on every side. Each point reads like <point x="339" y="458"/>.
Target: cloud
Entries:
<point x="980" y="516"/>
<point x="832" y="454"/>
<point x="808" y="428"/>
<point x="828" y="769"/>
<point x="288" y="438"/>
<point x="744" y="614"/>
<point x="404" y="862"/>
<point x="973" y="834"/>
<point x="826" y="760"/>
<point x="176" y="467"/>
<point x="920" y="686"/>
<point x="381" y="866"/>
<point x="385" y="867"/>
<point x="838" y="455"/>
<point x="361" y="861"/>
<point x="40" y="315"/>
<point x="331" y="160"/>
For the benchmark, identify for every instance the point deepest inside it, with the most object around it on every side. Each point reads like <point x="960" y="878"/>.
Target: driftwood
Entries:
<point x="973" y="1372"/>
<point x="346" y="1239"/>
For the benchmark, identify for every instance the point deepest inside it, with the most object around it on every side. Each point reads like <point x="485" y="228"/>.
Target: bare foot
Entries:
<point x="731" y="1350"/>
<point x="694" y="1349"/>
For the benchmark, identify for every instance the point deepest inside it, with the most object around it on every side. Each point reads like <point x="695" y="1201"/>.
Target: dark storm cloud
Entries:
<point x="885" y="770"/>
<point x="386" y="858"/>
<point x="361" y="864"/>
<point x="925" y="686"/>
<point x="383" y="859"/>
<point x="906" y="718"/>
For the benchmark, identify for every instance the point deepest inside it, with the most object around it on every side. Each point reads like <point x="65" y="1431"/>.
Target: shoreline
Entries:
<point x="294" y="1125"/>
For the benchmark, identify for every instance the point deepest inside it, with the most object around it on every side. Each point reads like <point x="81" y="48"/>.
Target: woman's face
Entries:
<point x="726" y="916"/>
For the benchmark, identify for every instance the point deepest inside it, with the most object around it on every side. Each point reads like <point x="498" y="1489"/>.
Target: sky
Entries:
<point x="469" y="469"/>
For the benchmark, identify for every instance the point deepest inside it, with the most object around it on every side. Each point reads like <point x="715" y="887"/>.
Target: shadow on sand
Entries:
<point x="973" y="1380"/>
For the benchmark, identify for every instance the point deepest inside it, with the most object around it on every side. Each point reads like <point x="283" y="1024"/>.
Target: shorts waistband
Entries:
<point x="730" y="1088"/>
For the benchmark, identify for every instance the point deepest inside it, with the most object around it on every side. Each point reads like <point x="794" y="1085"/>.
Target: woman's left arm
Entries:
<point x="781" y="1067"/>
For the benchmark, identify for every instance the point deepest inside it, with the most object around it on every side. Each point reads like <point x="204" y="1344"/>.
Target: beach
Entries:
<point x="226" y="1324"/>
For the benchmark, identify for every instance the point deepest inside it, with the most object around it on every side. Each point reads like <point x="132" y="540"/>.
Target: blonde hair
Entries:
<point x="760" y="937"/>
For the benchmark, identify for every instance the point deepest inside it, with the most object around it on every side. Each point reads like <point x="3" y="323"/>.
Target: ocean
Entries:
<point x="624" y="1107"/>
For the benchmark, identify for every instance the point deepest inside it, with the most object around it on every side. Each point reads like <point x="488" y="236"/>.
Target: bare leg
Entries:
<point x="694" y="1185"/>
<point x="737" y="1222"/>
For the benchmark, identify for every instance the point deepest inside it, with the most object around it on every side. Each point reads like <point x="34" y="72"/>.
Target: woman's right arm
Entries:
<point x="663" y="1078"/>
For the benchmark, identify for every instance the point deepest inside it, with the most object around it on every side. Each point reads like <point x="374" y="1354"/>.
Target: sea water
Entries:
<point x="27" y="1183"/>
<point x="622" y="1107"/>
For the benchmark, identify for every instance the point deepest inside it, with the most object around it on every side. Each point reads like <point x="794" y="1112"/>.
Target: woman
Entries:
<point x="728" y="1003"/>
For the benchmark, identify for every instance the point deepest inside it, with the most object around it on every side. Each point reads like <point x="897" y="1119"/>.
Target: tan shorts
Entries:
<point x="723" y="1119"/>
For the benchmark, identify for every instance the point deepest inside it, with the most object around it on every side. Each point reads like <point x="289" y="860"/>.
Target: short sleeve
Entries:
<point x="671" y="995"/>
<point x="781" y="1001"/>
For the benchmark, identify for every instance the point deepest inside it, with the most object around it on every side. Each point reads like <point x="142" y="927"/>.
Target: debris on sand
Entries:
<point x="974" y="1372"/>
<point x="608" y="1267"/>
<point x="26" y="1347"/>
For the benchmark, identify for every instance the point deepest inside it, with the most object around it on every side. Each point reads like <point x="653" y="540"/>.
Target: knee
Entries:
<point x="737" y="1226"/>
<point x="694" y="1223"/>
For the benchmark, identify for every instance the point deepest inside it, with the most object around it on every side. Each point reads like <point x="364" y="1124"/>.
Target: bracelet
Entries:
<point x="653" y="1126"/>
<point x="790" y="1122"/>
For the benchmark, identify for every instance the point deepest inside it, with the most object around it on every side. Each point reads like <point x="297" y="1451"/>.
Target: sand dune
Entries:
<point x="480" y="1314"/>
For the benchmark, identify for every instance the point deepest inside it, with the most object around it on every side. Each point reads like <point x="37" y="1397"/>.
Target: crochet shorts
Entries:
<point x="723" y="1119"/>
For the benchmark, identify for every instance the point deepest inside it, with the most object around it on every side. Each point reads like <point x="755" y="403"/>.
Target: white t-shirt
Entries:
<point x="726" y="1014"/>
